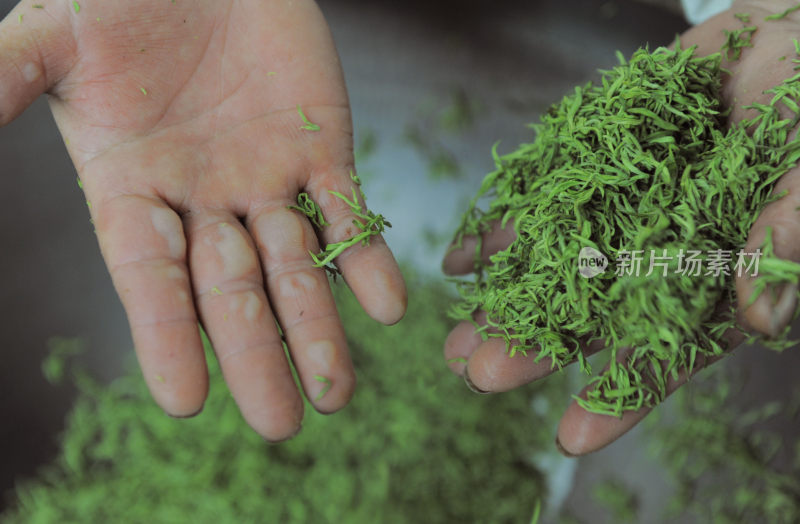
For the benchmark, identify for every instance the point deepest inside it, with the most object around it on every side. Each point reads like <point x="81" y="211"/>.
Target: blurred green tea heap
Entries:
<point x="413" y="446"/>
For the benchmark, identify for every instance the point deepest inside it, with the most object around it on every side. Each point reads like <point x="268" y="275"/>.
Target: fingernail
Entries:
<point x="190" y="415"/>
<point x="783" y="309"/>
<point x="471" y="385"/>
<point x="290" y="437"/>
<point x="563" y="451"/>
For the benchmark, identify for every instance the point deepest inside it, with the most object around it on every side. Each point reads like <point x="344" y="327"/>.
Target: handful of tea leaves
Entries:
<point x="643" y="169"/>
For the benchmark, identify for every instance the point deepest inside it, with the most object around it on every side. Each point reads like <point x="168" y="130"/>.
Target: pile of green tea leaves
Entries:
<point x="721" y="461"/>
<point x="730" y="465"/>
<point x="413" y="446"/>
<point x="642" y="165"/>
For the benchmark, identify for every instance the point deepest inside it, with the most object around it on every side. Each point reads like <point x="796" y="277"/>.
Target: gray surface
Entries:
<point x="399" y="59"/>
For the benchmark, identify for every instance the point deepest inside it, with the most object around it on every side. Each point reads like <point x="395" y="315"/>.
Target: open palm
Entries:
<point x="183" y="120"/>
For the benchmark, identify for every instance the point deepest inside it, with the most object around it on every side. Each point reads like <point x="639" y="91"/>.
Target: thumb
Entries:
<point x="36" y="51"/>
<point x="774" y="308"/>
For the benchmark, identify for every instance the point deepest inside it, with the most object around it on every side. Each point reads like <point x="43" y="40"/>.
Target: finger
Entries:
<point x="144" y="247"/>
<point x="36" y="49"/>
<point x="370" y="270"/>
<point x="233" y="306"/>
<point x="486" y="365"/>
<point x="304" y="305"/>
<point x="773" y="309"/>
<point x="462" y="341"/>
<point x="460" y="260"/>
<point x="581" y="432"/>
<point x="490" y="369"/>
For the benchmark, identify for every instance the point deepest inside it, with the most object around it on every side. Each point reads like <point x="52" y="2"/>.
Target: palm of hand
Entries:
<point x="211" y="86"/>
<point x="183" y="123"/>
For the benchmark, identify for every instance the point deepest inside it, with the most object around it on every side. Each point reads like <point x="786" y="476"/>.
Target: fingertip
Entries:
<point x="471" y="384"/>
<point x="454" y="349"/>
<point x="381" y="292"/>
<point x="478" y="378"/>
<point x="581" y="432"/>
<point x="575" y="435"/>
<point x="173" y="366"/>
<point x="327" y="373"/>
<point x="186" y="402"/>
<point x="328" y="398"/>
<point x="457" y="365"/>
<point x="459" y="345"/>
<point x="772" y="311"/>
<point x="277" y="423"/>
<point x="562" y="450"/>
<point x="778" y="226"/>
<point x="784" y="308"/>
<point x="180" y="415"/>
<point x="283" y="438"/>
<point x="459" y="259"/>
<point x="394" y="308"/>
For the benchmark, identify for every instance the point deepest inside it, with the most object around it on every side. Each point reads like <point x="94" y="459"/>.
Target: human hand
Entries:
<point x="183" y="121"/>
<point x="486" y="366"/>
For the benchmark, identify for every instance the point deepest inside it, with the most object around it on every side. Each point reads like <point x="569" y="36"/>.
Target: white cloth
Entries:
<point x="697" y="11"/>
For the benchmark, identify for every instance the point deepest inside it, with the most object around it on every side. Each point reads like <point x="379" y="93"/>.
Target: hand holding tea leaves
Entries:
<point x="760" y="54"/>
<point x="193" y="125"/>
